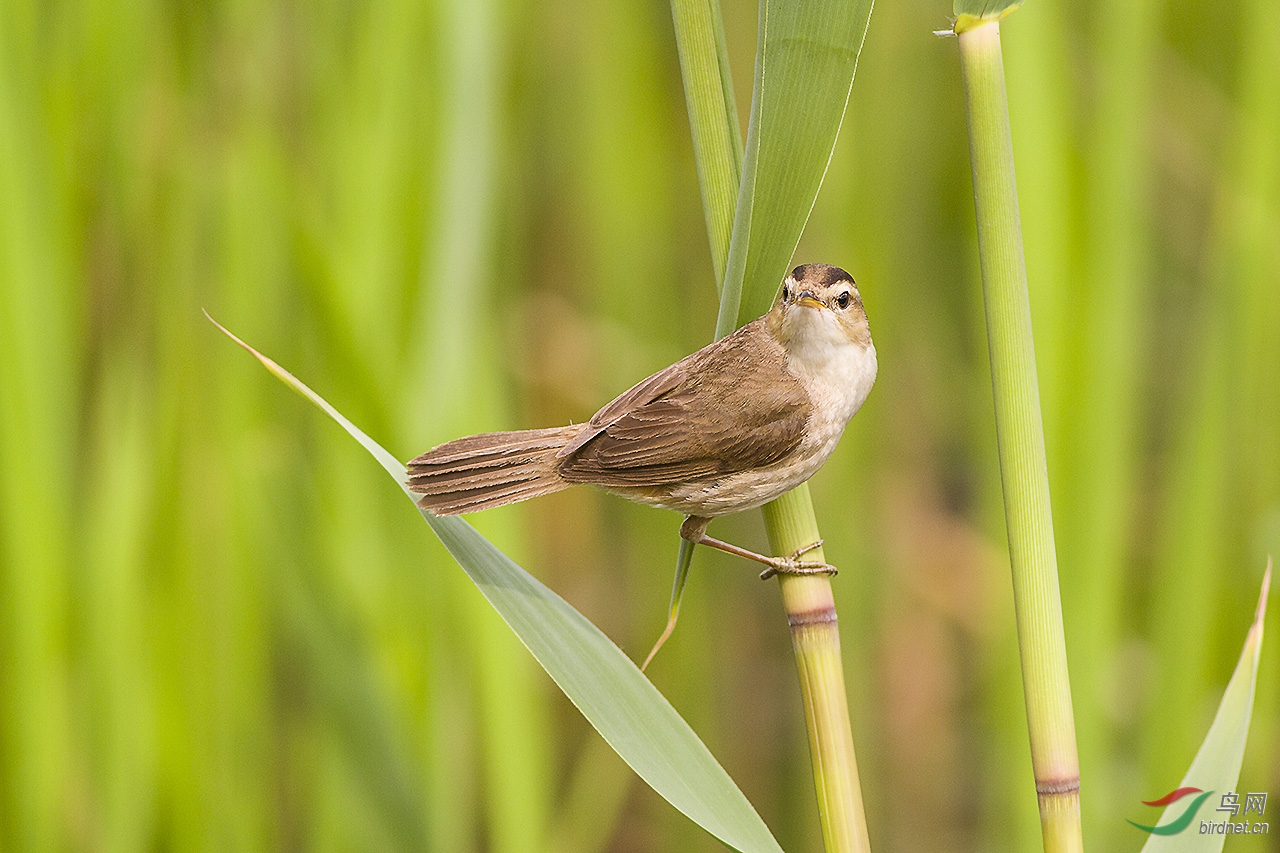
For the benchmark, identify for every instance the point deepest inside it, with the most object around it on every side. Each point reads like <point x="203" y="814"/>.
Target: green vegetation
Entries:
<point x="1024" y="473"/>
<point x="219" y="628"/>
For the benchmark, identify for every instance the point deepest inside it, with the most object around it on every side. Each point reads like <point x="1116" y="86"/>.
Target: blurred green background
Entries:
<point x="221" y="628"/>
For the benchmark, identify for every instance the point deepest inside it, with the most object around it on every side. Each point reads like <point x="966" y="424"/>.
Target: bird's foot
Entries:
<point x="694" y="530"/>
<point x="793" y="565"/>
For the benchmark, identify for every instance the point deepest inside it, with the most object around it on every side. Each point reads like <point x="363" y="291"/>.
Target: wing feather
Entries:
<point x="729" y="407"/>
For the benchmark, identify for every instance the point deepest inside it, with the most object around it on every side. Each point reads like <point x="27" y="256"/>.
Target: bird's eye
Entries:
<point x="843" y="299"/>
<point x="786" y="293"/>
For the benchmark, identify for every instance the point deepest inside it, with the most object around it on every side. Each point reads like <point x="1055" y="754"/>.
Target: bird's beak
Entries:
<point x="807" y="299"/>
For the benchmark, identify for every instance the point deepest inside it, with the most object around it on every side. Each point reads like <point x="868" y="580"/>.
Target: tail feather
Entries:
<point x="474" y="500"/>
<point x="492" y="469"/>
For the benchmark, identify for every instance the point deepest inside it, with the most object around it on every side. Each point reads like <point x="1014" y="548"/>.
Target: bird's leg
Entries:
<point x="694" y="530"/>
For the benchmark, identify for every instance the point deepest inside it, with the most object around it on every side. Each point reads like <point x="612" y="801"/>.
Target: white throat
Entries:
<point x="837" y="371"/>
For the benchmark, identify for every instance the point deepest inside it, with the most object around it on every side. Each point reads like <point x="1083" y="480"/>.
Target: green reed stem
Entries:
<point x="1020" y="436"/>
<point x="815" y="640"/>
<point x="789" y="520"/>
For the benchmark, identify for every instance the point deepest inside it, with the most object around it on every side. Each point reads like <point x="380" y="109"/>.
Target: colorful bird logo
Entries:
<point x="1173" y="827"/>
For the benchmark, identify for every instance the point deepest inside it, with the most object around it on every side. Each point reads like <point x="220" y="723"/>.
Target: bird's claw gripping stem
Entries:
<point x="793" y="565"/>
<point x="694" y="530"/>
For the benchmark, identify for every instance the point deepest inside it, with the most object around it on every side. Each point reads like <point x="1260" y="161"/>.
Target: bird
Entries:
<point x="727" y="428"/>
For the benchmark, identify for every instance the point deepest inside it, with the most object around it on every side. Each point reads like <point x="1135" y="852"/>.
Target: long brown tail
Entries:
<point x="493" y="469"/>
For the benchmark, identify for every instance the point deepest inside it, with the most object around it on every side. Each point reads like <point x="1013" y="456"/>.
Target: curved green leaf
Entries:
<point x="614" y="696"/>
<point x="806" y="56"/>
<point x="1216" y="767"/>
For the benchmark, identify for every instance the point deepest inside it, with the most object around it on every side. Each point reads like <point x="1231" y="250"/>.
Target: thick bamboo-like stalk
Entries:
<point x="815" y="639"/>
<point x="1020" y="436"/>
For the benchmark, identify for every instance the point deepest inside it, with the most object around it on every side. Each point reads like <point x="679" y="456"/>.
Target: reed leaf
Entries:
<point x="805" y="60"/>
<point x="598" y="678"/>
<point x="1216" y="767"/>
<point x="713" y="118"/>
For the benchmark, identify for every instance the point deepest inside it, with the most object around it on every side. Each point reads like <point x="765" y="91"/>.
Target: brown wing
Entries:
<point x="728" y="407"/>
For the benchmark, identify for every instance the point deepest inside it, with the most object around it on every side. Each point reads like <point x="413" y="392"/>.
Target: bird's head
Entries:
<point x="819" y="306"/>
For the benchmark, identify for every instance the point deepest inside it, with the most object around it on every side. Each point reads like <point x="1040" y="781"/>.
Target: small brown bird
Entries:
<point x="728" y="428"/>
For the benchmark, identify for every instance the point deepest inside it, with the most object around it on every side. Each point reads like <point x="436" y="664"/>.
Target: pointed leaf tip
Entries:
<point x="377" y="451"/>
<point x="1261" y="613"/>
